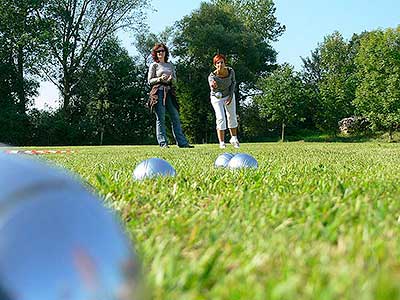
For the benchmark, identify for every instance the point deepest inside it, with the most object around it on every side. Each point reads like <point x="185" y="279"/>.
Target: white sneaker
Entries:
<point x="235" y="142"/>
<point x="222" y="145"/>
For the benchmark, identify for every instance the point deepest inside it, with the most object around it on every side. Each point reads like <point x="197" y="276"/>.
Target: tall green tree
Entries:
<point x="216" y="28"/>
<point x="20" y="39"/>
<point x="145" y="41"/>
<point x="19" y="44"/>
<point x="77" y="29"/>
<point x="282" y="97"/>
<point x="257" y="15"/>
<point x="113" y="101"/>
<point x="254" y="127"/>
<point x="337" y="84"/>
<point x="8" y="113"/>
<point x="311" y="75"/>
<point x="378" y="70"/>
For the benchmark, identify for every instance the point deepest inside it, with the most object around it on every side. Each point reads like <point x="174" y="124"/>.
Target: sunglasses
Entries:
<point x="160" y="51"/>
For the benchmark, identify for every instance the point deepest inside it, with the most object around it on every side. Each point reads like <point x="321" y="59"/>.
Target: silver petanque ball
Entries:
<point x="242" y="160"/>
<point x="153" y="167"/>
<point x="218" y="95"/>
<point x="57" y="240"/>
<point x="223" y="160"/>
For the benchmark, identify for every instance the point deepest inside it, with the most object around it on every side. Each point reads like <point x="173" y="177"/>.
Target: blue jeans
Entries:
<point x="175" y="122"/>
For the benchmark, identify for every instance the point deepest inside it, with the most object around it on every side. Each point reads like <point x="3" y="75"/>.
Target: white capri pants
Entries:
<point x="221" y="108"/>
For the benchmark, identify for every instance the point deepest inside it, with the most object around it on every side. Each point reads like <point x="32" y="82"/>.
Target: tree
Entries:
<point x="216" y="28"/>
<point x="378" y="70"/>
<point x="282" y="97"/>
<point x="253" y="125"/>
<point x="337" y="84"/>
<point x="257" y="15"/>
<point x="109" y="105"/>
<point x="145" y="41"/>
<point x="77" y="29"/>
<point x="113" y="99"/>
<point x="311" y="75"/>
<point x="20" y="41"/>
<point x="8" y="111"/>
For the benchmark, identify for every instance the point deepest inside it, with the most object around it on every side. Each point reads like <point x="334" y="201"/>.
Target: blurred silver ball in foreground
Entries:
<point x="223" y="160"/>
<point x="153" y="167"/>
<point x="57" y="241"/>
<point x="242" y="160"/>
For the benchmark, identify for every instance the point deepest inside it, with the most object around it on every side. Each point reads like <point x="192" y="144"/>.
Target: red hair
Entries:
<point x="219" y="57"/>
<point x="154" y="53"/>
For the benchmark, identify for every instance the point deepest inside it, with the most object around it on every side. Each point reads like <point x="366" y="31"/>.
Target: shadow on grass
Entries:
<point x="339" y="139"/>
<point x="318" y="137"/>
<point x="380" y="137"/>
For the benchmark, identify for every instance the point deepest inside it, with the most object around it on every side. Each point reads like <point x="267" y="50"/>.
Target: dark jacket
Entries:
<point x="169" y="92"/>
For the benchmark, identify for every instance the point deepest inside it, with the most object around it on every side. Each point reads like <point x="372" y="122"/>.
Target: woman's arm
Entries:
<point x="151" y="76"/>
<point x="172" y="78"/>
<point x="233" y="84"/>
<point x="211" y="82"/>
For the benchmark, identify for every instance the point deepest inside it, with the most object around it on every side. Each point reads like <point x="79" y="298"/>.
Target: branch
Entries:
<point x="75" y="31"/>
<point x="51" y="44"/>
<point x="51" y="79"/>
<point x="89" y="40"/>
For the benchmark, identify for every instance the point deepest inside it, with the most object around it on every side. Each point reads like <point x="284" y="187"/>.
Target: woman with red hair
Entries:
<point x="161" y="78"/>
<point x="222" y="85"/>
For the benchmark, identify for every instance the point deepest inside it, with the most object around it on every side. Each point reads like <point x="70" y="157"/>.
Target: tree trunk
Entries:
<point x="66" y="91"/>
<point x="101" y="135"/>
<point x="390" y="135"/>
<point x="283" y="132"/>
<point x="20" y="81"/>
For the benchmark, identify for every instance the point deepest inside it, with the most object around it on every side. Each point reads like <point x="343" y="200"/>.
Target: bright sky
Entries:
<point x="307" y="23"/>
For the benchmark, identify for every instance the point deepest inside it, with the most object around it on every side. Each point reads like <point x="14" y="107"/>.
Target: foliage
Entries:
<point x="14" y="127"/>
<point x="314" y="221"/>
<point x="113" y="94"/>
<point x="104" y="90"/>
<point x="378" y="65"/>
<point x="109" y="105"/>
<point x="19" y="41"/>
<point x="257" y="15"/>
<point x="51" y="128"/>
<point x="18" y="55"/>
<point x="312" y="70"/>
<point x="77" y="29"/>
<point x="207" y="31"/>
<point x="282" y="97"/>
<point x="145" y="41"/>
<point x="337" y="85"/>
<point x="311" y="76"/>
<point x="252" y="125"/>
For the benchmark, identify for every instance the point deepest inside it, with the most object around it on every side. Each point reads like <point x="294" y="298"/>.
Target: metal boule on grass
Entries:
<point x="223" y="160"/>
<point x="242" y="160"/>
<point x="153" y="167"/>
<point x="57" y="240"/>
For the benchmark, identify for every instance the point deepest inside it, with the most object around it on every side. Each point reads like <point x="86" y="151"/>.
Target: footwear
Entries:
<point x="235" y="142"/>
<point x="222" y="145"/>
<point x="164" y="146"/>
<point x="186" y="146"/>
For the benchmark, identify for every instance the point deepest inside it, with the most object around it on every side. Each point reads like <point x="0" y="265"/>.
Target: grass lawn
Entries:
<point x="314" y="221"/>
